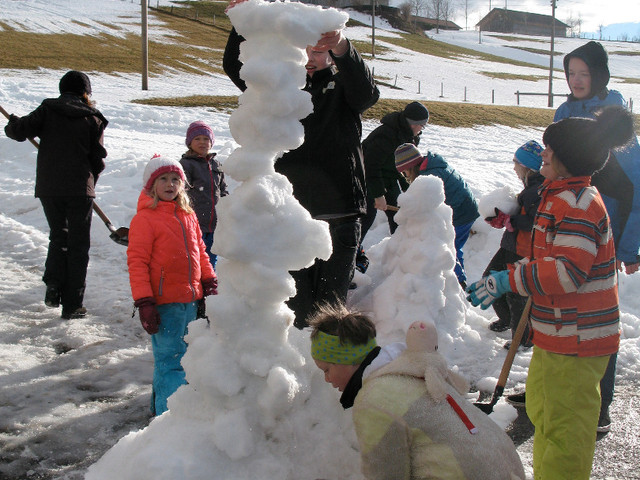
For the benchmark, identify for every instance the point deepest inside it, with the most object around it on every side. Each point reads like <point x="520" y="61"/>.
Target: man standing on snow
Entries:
<point x="384" y="182"/>
<point x="327" y="170"/>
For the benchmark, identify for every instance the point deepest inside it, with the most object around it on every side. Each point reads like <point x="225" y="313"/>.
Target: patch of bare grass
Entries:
<point x="538" y="51"/>
<point x="513" y="76"/>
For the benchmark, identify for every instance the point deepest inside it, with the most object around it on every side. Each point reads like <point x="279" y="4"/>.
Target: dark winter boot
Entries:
<point x="604" y="422"/>
<point x="79" y="312"/>
<point x="52" y="296"/>
<point x="499" y="326"/>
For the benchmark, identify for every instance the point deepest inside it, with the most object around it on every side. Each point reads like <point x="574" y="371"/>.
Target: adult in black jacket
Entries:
<point x="326" y="171"/>
<point x="384" y="182"/>
<point x="70" y="159"/>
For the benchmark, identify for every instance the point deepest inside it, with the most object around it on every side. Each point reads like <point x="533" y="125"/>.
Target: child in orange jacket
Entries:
<point x="169" y="271"/>
<point x="571" y="278"/>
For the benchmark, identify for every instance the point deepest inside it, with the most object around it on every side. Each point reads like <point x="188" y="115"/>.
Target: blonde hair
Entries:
<point x="182" y="199"/>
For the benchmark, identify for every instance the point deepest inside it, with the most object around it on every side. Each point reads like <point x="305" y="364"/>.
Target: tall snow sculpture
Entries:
<point x="252" y="406"/>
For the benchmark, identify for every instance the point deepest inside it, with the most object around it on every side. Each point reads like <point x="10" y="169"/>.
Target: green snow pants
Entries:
<point x="563" y="403"/>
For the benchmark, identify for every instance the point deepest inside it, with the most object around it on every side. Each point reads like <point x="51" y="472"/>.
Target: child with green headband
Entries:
<point x="409" y="411"/>
<point x="343" y="345"/>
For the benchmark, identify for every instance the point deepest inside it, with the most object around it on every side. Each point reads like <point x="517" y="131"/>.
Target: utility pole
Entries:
<point x="553" y="37"/>
<point x="145" y="45"/>
<point x="373" y="28"/>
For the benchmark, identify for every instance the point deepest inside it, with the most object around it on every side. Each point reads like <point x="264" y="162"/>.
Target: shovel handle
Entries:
<point x="103" y="217"/>
<point x="515" y="343"/>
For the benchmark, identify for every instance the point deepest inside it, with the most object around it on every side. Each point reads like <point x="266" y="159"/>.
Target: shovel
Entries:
<point x="506" y="367"/>
<point x="118" y="235"/>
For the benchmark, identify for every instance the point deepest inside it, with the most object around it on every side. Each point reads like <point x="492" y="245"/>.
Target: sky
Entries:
<point x="71" y="390"/>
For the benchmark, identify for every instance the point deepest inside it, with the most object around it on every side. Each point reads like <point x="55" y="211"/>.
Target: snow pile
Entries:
<point x="504" y="199"/>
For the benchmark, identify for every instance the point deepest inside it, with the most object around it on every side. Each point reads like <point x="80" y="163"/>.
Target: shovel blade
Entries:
<point x="485" y="407"/>
<point x="121" y="236"/>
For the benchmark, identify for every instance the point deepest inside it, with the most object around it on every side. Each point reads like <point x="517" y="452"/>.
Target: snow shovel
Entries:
<point x="506" y="367"/>
<point x="118" y="235"/>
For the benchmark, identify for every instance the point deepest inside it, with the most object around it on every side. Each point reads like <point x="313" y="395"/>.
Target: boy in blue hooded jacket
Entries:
<point x="587" y="72"/>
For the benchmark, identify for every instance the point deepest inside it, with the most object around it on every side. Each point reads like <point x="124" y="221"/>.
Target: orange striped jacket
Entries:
<point x="571" y="274"/>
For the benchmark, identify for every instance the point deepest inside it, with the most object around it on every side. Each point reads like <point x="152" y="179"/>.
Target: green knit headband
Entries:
<point x="327" y="348"/>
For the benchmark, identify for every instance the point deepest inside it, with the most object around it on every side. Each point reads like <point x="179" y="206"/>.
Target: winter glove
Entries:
<point x="499" y="220"/>
<point x="210" y="286"/>
<point x="486" y="290"/>
<point x="149" y="316"/>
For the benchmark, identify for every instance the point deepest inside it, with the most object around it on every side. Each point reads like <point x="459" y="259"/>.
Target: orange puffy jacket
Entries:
<point x="166" y="255"/>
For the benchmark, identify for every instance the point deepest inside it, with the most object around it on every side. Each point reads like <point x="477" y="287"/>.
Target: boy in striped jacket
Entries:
<point x="571" y="277"/>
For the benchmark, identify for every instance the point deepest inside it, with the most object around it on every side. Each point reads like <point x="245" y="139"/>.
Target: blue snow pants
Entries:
<point x="168" y="349"/>
<point x="462" y="235"/>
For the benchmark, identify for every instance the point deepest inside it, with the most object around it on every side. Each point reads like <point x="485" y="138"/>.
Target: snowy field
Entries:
<point x="69" y="390"/>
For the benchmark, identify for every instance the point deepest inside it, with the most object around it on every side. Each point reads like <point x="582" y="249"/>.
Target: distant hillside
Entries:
<point x="626" y="32"/>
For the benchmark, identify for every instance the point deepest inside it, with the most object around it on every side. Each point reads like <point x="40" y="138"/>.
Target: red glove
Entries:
<point x="499" y="220"/>
<point x="210" y="286"/>
<point x="149" y="316"/>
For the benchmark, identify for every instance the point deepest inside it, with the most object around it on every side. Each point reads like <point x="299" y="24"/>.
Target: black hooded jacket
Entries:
<point x="327" y="170"/>
<point x="71" y="153"/>
<point x="379" y="159"/>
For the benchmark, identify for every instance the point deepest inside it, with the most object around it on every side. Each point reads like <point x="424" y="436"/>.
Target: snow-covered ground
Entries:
<point x="71" y="389"/>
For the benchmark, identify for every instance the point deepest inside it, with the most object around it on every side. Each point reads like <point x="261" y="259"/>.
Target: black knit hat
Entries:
<point x="596" y="58"/>
<point x="416" y="113"/>
<point x="582" y="144"/>
<point x="75" y="82"/>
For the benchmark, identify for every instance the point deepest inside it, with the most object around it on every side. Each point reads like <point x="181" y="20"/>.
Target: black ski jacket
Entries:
<point x="327" y="170"/>
<point x="71" y="153"/>
<point x="379" y="159"/>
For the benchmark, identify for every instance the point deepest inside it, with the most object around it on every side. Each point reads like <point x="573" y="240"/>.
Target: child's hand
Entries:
<point x="488" y="289"/>
<point x="501" y="220"/>
<point x="149" y="316"/>
<point x="210" y="286"/>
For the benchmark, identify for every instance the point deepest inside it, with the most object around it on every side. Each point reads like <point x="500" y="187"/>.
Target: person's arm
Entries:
<point x="29" y="126"/>
<point x="628" y="245"/>
<point x="98" y="152"/>
<point x="566" y="266"/>
<point x="224" y="191"/>
<point x="231" y="63"/>
<point x="359" y="87"/>
<point x="614" y="182"/>
<point x="141" y="236"/>
<point x="530" y="202"/>
<point x="375" y="149"/>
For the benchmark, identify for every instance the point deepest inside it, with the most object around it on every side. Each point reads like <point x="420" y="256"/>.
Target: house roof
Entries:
<point x="522" y="17"/>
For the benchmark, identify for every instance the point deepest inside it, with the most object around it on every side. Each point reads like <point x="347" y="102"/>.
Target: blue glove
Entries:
<point x="486" y="290"/>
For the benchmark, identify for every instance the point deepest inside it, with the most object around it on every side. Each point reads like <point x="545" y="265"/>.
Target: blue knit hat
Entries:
<point x="530" y="155"/>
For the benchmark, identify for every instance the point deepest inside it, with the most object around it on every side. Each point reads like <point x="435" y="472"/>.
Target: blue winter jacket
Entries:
<point x="456" y="191"/>
<point x="619" y="181"/>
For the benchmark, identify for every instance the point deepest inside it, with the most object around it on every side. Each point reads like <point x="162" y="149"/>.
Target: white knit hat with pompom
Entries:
<point x="159" y="165"/>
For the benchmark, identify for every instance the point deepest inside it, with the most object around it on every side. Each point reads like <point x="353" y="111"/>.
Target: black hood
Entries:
<point x="72" y="106"/>
<point x="596" y="58"/>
